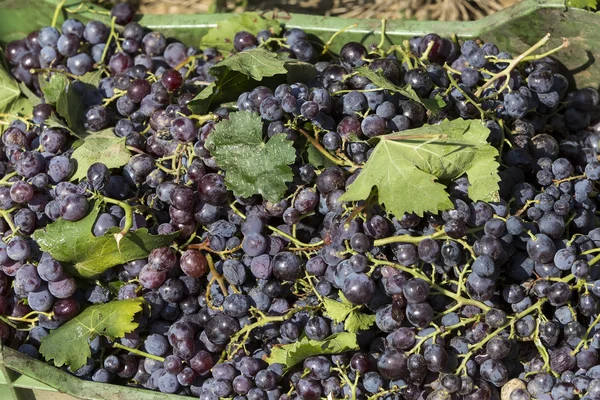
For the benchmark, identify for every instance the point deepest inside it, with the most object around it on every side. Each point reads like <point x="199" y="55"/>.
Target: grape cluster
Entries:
<point x="475" y="301"/>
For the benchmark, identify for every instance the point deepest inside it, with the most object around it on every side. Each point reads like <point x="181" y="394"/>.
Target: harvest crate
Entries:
<point x="514" y="29"/>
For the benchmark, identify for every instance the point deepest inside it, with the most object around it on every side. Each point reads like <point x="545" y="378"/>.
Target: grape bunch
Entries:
<point x="254" y="288"/>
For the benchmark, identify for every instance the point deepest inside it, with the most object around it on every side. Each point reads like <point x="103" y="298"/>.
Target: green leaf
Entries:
<point x="255" y="63"/>
<point x="591" y="4"/>
<point x="238" y="74"/>
<point x="103" y="147"/>
<point x="32" y="97"/>
<point x="9" y="89"/>
<point x="221" y="37"/>
<point x="410" y="169"/>
<point x="358" y="321"/>
<point x="92" y="78"/>
<point x="336" y="310"/>
<point x="378" y="79"/>
<point x="251" y="165"/>
<point x="21" y="105"/>
<point x="114" y="286"/>
<point x="344" y="311"/>
<point x="70" y="106"/>
<point x="68" y="344"/>
<point x="89" y="256"/>
<point x="55" y="122"/>
<point x="53" y="88"/>
<point x="294" y="353"/>
<point x="316" y="158"/>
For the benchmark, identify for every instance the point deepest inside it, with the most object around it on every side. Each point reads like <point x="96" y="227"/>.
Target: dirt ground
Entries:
<point x="445" y="10"/>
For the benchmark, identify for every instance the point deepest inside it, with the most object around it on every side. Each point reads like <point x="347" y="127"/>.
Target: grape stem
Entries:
<point x="511" y="66"/>
<point x="330" y="41"/>
<point x="128" y="213"/>
<point x="382" y="39"/>
<point x="324" y="151"/>
<point x="442" y="330"/>
<point x="292" y="239"/>
<point x="57" y="11"/>
<point x="415" y="273"/>
<point x="112" y="36"/>
<point x="585" y="337"/>
<point x="439" y="235"/>
<point x="138" y="352"/>
<point x="6" y="215"/>
<point x="535" y="307"/>
<point x="235" y="344"/>
<point x="54" y="70"/>
<point x="218" y="277"/>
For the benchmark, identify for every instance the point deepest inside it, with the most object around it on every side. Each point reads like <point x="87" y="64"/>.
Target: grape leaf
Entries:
<point x="294" y="353"/>
<point x="89" y="256"/>
<point x="255" y="63"/>
<point x="410" y="168"/>
<point x="235" y="75"/>
<point x="591" y="4"/>
<point x="354" y="321"/>
<point x="103" y="147"/>
<point x="29" y="95"/>
<point x="68" y="344"/>
<point x="221" y="37"/>
<point x="251" y="165"/>
<point x="358" y="321"/>
<point x="53" y="88"/>
<point x="71" y="106"/>
<point x="9" y="90"/>
<point x="336" y="310"/>
<point x="92" y="78"/>
<point x="316" y="158"/>
<point x="378" y="79"/>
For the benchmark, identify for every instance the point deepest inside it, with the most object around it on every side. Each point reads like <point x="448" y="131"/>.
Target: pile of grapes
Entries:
<point x="262" y="219"/>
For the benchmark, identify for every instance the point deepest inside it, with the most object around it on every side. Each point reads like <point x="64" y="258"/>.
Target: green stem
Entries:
<point x="587" y="334"/>
<point x="6" y="215"/>
<point x="138" y="352"/>
<point x="110" y="38"/>
<point x="57" y="11"/>
<point x="382" y="39"/>
<point x="235" y="344"/>
<point x="321" y="149"/>
<point x="439" y="235"/>
<point x="330" y="41"/>
<point x="511" y="66"/>
<point x="448" y="293"/>
<point x="126" y="207"/>
<point x="4" y="181"/>
<point x="279" y="232"/>
<point x="482" y="343"/>
<point x="439" y="331"/>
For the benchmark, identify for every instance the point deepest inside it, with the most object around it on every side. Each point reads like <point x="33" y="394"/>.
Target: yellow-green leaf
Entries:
<point x="221" y="37"/>
<point x="68" y="345"/>
<point x="294" y="353"/>
<point x="102" y="147"/>
<point x="88" y="256"/>
<point x="411" y="169"/>
<point x="252" y="166"/>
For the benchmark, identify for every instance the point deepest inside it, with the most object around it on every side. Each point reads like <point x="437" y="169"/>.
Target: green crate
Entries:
<point x="514" y="29"/>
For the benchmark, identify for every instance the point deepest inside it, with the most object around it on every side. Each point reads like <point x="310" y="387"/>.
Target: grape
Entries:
<point x="48" y="36"/>
<point x="243" y="40"/>
<point x="373" y="125"/>
<point x="415" y="291"/>
<point x="80" y="64"/>
<point x="68" y="44"/>
<point x="73" y="207"/>
<point x="63" y="287"/>
<point x="358" y="288"/>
